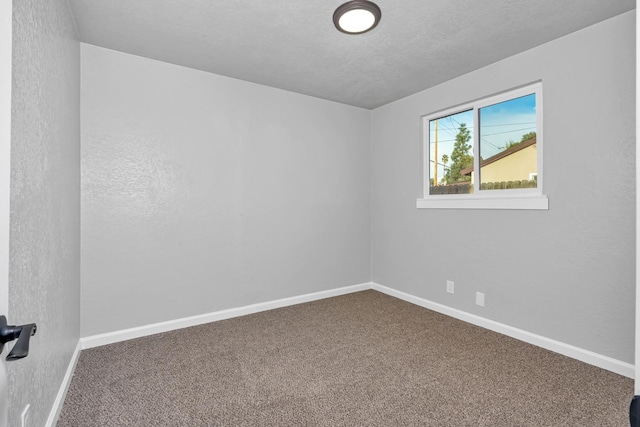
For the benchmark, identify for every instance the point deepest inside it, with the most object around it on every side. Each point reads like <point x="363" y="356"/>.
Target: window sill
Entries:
<point x="523" y="202"/>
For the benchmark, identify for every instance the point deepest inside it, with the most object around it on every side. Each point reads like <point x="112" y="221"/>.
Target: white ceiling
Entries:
<point x="293" y="45"/>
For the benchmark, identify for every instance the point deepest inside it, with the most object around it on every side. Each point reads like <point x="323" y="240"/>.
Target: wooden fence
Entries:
<point x="467" y="188"/>
<point x="505" y="185"/>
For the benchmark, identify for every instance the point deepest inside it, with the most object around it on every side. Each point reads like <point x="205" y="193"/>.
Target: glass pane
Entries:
<point x="508" y="156"/>
<point x="451" y="154"/>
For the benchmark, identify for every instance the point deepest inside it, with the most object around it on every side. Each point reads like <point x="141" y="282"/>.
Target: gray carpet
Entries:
<point x="363" y="359"/>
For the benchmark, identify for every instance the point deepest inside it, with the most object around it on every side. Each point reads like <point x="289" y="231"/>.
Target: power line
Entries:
<point x="491" y="144"/>
<point x="508" y="124"/>
<point x="482" y="137"/>
<point x="441" y="164"/>
<point x="509" y="131"/>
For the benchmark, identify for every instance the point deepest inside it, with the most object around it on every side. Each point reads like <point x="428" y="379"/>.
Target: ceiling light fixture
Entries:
<point x="357" y="16"/>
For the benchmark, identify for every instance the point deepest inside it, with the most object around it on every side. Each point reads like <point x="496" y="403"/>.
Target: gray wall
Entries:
<point x="566" y="273"/>
<point x="44" y="269"/>
<point x="202" y="193"/>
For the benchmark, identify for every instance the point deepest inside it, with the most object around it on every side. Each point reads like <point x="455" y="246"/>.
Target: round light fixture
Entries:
<point x="357" y="16"/>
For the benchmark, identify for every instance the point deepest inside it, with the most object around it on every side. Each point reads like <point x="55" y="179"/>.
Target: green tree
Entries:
<point x="510" y="144"/>
<point x="527" y="136"/>
<point x="445" y="160"/>
<point x="460" y="156"/>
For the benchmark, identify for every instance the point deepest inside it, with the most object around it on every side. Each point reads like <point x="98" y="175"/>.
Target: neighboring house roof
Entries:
<point x="501" y="155"/>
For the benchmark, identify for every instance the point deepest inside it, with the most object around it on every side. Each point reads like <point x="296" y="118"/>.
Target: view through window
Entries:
<point x="498" y="135"/>
<point x="451" y="146"/>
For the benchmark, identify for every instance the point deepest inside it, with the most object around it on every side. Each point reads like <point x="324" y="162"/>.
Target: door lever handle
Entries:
<point x="22" y="333"/>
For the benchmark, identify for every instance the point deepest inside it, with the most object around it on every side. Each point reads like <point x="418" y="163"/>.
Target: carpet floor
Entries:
<point x="363" y="359"/>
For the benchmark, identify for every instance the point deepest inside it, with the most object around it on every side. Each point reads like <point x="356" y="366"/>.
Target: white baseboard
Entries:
<point x="156" y="328"/>
<point x="604" y="362"/>
<point x="64" y="387"/>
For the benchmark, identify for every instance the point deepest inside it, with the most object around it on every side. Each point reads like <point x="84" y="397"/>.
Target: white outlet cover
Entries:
<point x="450" y="286"/>
<point x="480" y="299"/>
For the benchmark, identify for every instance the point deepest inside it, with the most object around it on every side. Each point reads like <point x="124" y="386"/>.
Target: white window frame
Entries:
<point x="522" y="198"/>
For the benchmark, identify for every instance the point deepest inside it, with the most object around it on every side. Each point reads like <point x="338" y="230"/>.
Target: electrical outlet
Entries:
<point x="480" y="299"/>
<point x="25" y="416"/>
<point x="449" y="286"/>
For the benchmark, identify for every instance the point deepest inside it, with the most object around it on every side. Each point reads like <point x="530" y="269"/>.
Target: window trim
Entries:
<point x="523" y="198"/>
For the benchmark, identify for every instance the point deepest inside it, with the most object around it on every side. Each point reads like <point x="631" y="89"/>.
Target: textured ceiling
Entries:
<point x="293" y="45"/>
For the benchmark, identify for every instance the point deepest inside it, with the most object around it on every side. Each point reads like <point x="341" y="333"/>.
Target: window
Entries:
<point x="486" y="154"/>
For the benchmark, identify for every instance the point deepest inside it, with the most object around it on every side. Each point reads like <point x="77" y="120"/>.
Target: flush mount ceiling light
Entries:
<point x="357" y="16"/>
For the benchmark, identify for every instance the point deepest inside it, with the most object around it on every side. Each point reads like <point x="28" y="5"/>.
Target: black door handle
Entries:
<point x="22" y="333"/>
